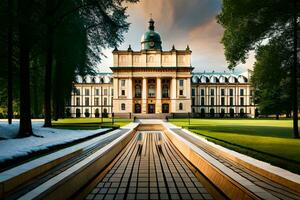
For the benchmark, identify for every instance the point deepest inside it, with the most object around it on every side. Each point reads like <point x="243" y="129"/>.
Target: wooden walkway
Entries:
<point x="152" y="168"/>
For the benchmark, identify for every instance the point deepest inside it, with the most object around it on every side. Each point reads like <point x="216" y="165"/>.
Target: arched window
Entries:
<point x="212" y="112"/>
<point x="123" y="106"/>
<point x="180" y="106"/>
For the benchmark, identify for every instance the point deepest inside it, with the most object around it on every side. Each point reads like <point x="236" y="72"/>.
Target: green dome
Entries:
<point x="151" y="39"/>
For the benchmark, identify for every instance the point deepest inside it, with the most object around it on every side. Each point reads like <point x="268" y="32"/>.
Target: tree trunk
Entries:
<point x="25" y="115"/>
<point x="294" y="75"/>
<point x="9" y="62"/>
<point x="48" y="76"/>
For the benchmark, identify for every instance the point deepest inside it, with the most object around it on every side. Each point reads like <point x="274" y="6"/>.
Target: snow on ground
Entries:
<point x="12" y="148"/>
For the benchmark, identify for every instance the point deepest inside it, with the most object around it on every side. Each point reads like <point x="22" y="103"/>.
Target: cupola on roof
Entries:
<point x="151" y="39"/>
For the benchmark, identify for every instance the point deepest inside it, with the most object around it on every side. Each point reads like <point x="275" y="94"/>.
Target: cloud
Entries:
<point x="181" y="22"/>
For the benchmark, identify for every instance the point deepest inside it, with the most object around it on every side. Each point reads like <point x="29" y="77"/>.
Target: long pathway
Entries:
<point x="152" y="168"/>
<point x="279" y="191"/>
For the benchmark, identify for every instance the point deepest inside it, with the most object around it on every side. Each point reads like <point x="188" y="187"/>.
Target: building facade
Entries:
<point x="158" y="82"/>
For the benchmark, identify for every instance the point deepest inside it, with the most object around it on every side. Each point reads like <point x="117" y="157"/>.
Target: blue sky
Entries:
<point x="182" y="23"/>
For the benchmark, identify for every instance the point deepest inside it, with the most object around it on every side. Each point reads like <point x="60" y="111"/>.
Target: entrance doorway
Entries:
<point x="151" y="108"/>
<point x="165" y="108"/>
<point x="137" y="108"/>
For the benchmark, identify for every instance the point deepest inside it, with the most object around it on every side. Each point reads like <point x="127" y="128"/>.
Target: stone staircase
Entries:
<point x="151" y="116"/>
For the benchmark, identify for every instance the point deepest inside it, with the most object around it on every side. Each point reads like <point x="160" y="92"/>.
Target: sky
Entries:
<point x="182" y="23"/>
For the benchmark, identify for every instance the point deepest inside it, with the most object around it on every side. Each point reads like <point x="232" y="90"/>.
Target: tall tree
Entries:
<point x="245" y="29"/>
<point x="270" y="78"/>
<point x="10" y="17"/>
<point x="105" y="22"/>
<point x="24" y="19"/>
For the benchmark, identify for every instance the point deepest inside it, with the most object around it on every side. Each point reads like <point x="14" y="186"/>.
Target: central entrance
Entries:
<point x="151" y="108"/>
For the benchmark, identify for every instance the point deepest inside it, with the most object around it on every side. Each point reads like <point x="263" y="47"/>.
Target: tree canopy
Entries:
<point x="251" y="24"/>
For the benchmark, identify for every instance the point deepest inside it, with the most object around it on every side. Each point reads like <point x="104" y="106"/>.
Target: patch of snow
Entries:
<point x="12" y="148"/>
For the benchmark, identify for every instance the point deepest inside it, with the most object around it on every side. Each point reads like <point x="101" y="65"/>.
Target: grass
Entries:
<point x="268" y="140"/>
<point x="89" y="123"/>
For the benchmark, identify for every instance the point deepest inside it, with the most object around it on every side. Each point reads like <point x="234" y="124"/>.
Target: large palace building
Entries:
<point x="157" y="82"/>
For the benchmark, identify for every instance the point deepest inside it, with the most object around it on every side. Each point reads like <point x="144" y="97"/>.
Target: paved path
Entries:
<point x="275" y="189"/>
<point x="151" y="168"/>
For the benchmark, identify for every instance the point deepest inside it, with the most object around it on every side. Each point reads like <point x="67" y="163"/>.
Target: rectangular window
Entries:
<point x="77" y="101"/>
<point x="242" y="101"/>
<point x="193" y="92"/>
<point x="77" y="91"/>
<point x="87" y="92"/>
<point x="122" y="82"/>
<point x="123" y="92"/>
<point x="193" y="101"/>
<point x="231" y="101"/>
<point x="181" y="82"/>
<point x="105" y="101"/>
<point x="222" y="101"/>
<point x="202" y="92"/>
<point x="202" y="101"/>
<point x="105" y="92"/>
<point x="96" y="101"/>
<point x="87" y="101"/>
<point x="241" y="92"/>
<point x="212" y="92"/>
<point x="222" y="92"/>
<point x="180" y="92"/>
<point x="251" y="92"/>
<point x="97" y="92"/>
<point x="212" y="101"/>
<point x="231" y="92"/>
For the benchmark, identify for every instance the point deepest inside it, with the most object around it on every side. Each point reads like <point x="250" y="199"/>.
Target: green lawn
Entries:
<point x="89" y="123"/>
<point x="268" y="140"/>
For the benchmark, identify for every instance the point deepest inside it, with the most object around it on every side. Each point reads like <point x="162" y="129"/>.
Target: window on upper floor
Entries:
<point x="212" y="101"/>
<point x="231" y="92"/>
<point x="123" y="92"/>
<point x="181" y="82"/>
<point x="181" y="92"/>
<point x="222" y="101"/>
<point x="193" y="101"/>
<point x="87" y="92"/>
<point x="222" y="92"/>
<point x="212" y="92"/>
<point x="96" y="91"/>
<point x="96" y="101"/>
<point x="105" y="92"/>
<point x="77" y="101"/>
<point x="202" y="92"/>
<point x="241" y="92"/>
<point x="231" y="101"/>
<point x="202" y="101"/>
<point x="193" y="92"/>
<point x="242" y="101"/>
<point x="105" y="101"/>
<point x="122" y="82"/>
<point x="77" y="91"/>
<point x="87" y="101"/>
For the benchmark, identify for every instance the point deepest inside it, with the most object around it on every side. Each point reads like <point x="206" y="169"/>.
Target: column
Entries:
<point x="173" y="94"/>
<point x="158" y="95"/>
<point x="144" y="95"/>
<point x="129" y="97"/>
